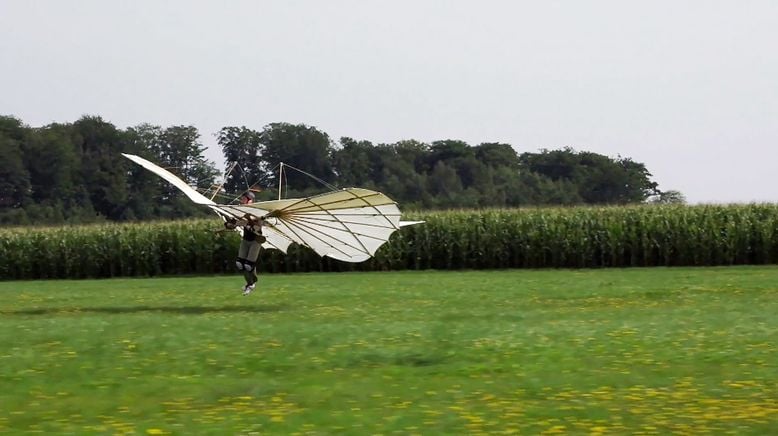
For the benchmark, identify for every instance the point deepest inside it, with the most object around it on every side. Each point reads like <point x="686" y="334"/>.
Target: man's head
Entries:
<point x="247" y="198"/>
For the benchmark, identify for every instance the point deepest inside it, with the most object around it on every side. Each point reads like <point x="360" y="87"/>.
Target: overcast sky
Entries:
<point x="690" y="88"/>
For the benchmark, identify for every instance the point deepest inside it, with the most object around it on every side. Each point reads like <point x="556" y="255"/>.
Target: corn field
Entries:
<point x="489" y="239"/>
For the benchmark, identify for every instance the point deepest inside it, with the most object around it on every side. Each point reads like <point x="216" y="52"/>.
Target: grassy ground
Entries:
<point x="596" y="351"/>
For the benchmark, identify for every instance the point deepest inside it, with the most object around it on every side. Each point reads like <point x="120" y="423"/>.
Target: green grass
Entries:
<point x="589" y="351"/>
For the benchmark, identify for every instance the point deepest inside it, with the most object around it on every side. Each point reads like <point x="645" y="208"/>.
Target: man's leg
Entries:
<point x="241" y="261"/>
<point x="250" y="268"/>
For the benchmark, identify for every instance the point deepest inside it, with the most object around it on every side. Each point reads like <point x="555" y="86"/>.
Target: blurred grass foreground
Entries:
<point x="686" y="350"/>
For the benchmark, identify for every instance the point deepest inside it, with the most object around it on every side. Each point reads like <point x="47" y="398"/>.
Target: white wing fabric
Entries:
<point x="172" y="178"/>
<point x="180" y="184"/>
<point x="348" y="225"/>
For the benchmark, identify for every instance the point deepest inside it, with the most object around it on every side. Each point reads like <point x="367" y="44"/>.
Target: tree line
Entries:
<point x="74" y="173"/>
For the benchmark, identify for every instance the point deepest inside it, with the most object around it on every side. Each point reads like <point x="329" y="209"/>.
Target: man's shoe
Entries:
<point x="248" y="288"/>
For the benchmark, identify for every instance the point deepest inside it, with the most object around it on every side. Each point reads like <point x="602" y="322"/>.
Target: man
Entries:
<point x="249" y="245"/>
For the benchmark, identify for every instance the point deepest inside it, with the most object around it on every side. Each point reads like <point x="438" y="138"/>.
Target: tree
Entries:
<point x="72" y="172"/>
<point x="413" y="152"/>
<point x="356" y="163"/>
<point x="13" y="128"/>
<point x="243" y="146"/>
<point x="398" y="176"/>
<point x="179" y="149"/>
<point x="555" y="164"/>
<point x="448" y="150"/>
<point x="102" y="171"/>
<point x="303" y="147"/>
<point x="14" y="180"/>
<point x="598" y="179"/>
<point x="55" y="165"/>
<point x="495" y="154"/>
<point x="668" y="197"/>
<point x="460" y="156"/>
<point x="545" y="191"/>
<point x="145" y="189"/>
<point x="639" y="185"/>
<point x="444" y="185"/>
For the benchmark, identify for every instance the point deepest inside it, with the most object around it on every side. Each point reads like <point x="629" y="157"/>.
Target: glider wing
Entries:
<point x="348" y="224"/>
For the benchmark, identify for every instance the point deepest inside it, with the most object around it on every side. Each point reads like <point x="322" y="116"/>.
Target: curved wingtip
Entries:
<point x="132" y="157"/>
<point x="171" y="178"/>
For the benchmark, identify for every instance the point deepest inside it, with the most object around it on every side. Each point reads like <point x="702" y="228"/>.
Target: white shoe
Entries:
<point x="248" y="288"/>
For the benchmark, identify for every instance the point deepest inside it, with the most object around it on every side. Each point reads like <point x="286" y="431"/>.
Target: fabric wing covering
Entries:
<point x="348" y="225"/>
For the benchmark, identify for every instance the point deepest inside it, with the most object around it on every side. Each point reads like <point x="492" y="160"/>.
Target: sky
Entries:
<point x="689" y="88"/>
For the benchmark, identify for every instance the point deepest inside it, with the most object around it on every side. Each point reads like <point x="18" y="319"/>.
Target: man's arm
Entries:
<point x="230" y="224"/>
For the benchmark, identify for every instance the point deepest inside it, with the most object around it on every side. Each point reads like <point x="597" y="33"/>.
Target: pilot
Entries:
<point x="252" y="240"/>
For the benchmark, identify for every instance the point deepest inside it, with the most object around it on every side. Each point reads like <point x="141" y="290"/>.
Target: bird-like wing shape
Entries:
<point x="172" y="178"/>
<point x="274" y="240"/>
<point x="175" y="181"/>
<point x="348" y="224"/>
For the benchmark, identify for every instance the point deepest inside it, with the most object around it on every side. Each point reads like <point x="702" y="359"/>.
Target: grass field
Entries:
<point x="590" y="351"/>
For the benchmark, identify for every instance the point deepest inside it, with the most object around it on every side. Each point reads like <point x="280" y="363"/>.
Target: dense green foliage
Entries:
<point x="613" y="351"/>
<point x="74" y="173"/>
<point x="517" y="238"/>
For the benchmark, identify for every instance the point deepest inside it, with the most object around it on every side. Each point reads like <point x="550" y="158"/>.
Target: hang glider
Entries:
<point x="348" y="224"/>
